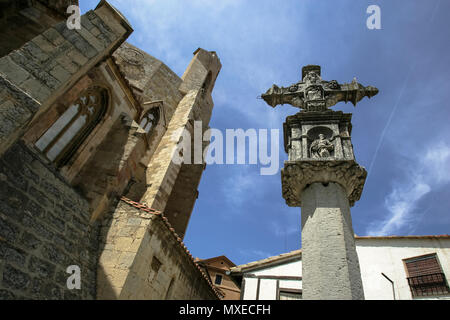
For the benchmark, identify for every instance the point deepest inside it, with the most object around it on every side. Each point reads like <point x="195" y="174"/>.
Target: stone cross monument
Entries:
<point x="322" y="176"/>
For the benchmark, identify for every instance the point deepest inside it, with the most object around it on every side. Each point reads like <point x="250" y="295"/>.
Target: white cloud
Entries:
<point x="172" y="29"/>
<point x="283" y="230"/>
<point x="437" y="163"/>
<point x="429" y="172"/>
<point x="239" y="186"/>
<point x="164" y="28"/>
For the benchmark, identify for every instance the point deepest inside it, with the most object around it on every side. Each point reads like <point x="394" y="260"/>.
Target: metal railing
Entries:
<point x="428" y="285"/>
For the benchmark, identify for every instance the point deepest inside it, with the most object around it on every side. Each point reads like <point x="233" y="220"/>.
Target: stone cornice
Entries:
<point x="297" y="175"/>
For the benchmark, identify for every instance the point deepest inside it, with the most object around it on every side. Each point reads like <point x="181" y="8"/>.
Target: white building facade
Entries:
<point x="392" y="268"/>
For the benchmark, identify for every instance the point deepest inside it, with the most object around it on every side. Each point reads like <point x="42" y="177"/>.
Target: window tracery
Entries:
<point x="69" y="131"/>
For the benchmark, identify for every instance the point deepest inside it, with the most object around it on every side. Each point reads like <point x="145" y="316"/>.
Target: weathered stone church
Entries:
<point x="89" y="125"/>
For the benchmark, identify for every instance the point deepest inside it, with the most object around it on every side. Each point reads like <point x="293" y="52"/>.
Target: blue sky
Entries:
<point x="401" y="136"/>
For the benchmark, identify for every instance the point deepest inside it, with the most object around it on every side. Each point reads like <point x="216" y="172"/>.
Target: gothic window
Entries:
<point x="69" y="131"/>
<point x="150" y="119"/>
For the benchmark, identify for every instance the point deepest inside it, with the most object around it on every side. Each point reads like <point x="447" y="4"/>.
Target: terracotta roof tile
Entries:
<point x="222" y="257"/>
<point x="283" y="256"/>
<point x="441" y="236"/>
<point x="266" y="261"/>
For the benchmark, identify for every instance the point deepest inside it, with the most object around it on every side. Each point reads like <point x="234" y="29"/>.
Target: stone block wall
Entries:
<point x="22" y="20"/>
<point x="52" y="62"/>
<point x="44" y="228"/>
<point x="162" y="172"/>
<point x="172" y="187"/>
<point x="143" y="258"/>
<point x="102" y="181"/>
<point x="151" y="79"/>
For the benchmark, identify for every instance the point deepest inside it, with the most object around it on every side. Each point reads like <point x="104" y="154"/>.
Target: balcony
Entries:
<point x="428" y="285"/>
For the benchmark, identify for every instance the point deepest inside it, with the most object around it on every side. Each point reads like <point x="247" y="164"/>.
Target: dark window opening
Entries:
<point x="70" y="130"/>
<point x="150" y="119"/>
<point x="218" y="279"/>
<point x="289" y="294"/>
<point x="206" y="84"/>
<point x="155" y="264"/>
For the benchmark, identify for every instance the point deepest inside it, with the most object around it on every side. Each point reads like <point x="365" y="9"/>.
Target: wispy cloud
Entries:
<point x="383" y="133"/>
<point x="168" y="23"/>
<point x="243" y="45"/>
<point x="239" y="186"/>
<point x="283" y="230"/>
<point x="429" y="173"/>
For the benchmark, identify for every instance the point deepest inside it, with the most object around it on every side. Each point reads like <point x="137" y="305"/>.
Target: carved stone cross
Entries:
<point x="315" y="94"/>
<point x="322" y="177"/>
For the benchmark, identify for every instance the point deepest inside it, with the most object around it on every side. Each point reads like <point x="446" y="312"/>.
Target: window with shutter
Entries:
<point x="425" y="276"/>
<point x="218" y="280"/>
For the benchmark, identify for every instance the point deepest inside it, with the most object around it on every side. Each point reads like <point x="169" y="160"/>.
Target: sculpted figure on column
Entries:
<point x="321" y="148"/>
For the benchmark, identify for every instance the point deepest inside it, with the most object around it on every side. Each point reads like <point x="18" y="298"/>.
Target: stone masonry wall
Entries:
<point x="49" y="64"/>
<point x="143" y="258"/>
<point x="102" y="181"/>
<point x="22" y="20"/>
<point x="43" y="230"/>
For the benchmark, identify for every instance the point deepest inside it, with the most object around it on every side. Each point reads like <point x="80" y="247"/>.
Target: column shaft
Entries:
<point x="330" y="266"/>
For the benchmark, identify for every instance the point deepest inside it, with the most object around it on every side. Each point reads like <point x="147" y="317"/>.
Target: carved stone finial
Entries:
<point x="310" y="68"/>
<point x="314" y="94"/>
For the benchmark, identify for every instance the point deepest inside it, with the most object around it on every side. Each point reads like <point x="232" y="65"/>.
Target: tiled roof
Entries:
<point x="441" y="236"/>
<point x="267" y="261"/>
<point x="160" y="215"/>
<point x="209" y="260"/>
<point x="285" y="256"/>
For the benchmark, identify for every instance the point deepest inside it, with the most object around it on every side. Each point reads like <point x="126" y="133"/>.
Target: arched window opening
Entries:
<point x="206" y="83"/>
<point x="150" y="119"/>
<point x="67" y="133"/>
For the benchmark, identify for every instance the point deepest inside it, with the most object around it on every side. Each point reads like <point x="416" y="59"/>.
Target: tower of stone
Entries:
<point x="323" y="178"/>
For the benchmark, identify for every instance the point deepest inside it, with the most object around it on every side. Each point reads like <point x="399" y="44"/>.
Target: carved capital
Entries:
<point x="297" y="175"/>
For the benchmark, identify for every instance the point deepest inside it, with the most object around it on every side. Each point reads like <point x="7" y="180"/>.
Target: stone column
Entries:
<point x="325" y="185"/>
<point x="324" y="179"/>
<point x="329" y="259"/>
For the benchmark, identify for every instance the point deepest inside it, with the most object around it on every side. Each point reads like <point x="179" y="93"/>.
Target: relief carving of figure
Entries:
<point x="311" y="77"/>
<point x="321" y="148"/>
<point x="314" y="94"/>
